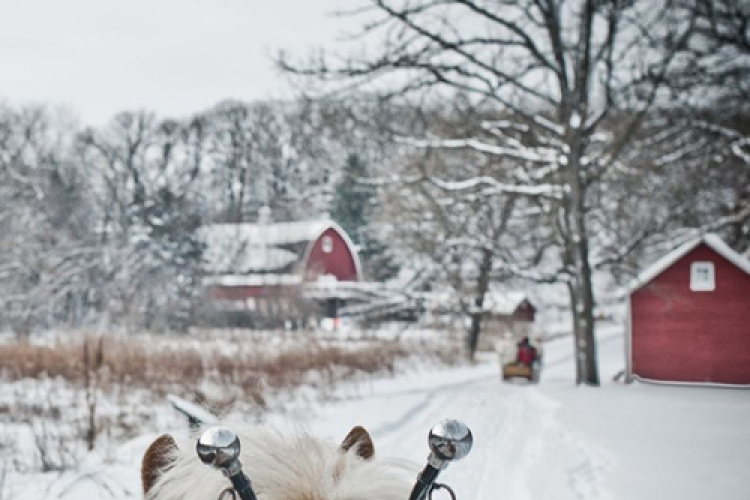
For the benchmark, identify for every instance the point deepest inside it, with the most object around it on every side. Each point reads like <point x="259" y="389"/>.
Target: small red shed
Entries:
<point x="512" y="306"/>
<point x="245" y="263"/>
<point x="689" y="317"/>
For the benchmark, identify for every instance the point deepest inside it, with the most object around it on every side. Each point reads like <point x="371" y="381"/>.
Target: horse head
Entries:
<point x="295" y="466"/>
<point x="282" y="465"/>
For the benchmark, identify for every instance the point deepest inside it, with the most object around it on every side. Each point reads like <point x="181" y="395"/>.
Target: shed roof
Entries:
<point x="502" y="302"/>
<point x="713" y="241"/>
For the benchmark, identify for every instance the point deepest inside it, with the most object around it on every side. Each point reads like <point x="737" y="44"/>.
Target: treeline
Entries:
<point x="99" y="226"/>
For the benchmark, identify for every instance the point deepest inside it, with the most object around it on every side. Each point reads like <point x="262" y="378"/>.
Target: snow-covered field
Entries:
<point x="550" y="441"/>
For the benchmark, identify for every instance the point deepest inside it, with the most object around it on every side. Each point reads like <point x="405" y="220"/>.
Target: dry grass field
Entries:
<point x="65" y="393"/>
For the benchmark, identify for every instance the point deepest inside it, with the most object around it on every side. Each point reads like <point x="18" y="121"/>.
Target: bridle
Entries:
<point x="449" y="440"/>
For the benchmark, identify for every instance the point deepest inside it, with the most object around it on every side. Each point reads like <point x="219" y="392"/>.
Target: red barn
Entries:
<point x="689" y="317"/>
<point x="269" y="265"/>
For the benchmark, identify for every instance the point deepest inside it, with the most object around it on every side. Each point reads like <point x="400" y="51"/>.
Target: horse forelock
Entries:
<point x="287" y="465"/>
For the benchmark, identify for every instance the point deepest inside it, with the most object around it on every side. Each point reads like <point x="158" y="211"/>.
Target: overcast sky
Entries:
<point x="174" y="57"/>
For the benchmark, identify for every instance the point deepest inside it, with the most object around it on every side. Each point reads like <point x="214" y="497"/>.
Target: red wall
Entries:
<point x="235" y="292"/>
<point x="681" y="335"/>
<point x="339" y="262"/>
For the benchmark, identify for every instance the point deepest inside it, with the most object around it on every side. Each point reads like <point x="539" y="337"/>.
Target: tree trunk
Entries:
<point x="582" y="305"/>
<point x="577" y="246"/>
<point x="477" y="314"/>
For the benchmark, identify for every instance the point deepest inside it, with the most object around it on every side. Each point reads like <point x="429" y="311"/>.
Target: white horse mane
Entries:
<point x="284" y="465"/>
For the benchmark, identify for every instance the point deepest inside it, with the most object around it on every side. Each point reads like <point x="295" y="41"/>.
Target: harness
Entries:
<point x="450" y="440"/>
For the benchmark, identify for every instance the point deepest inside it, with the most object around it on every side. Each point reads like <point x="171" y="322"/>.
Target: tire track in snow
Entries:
<point x="514" y="447"/>
<point x="521" y="449"/>
<point x="501" y="417"/>
<point x="435" y="404"/>
<point x="587" y="477"/>
<point x="412" y="415"/>
<point x="501" y="443"/>
<point x="514" y="427"/>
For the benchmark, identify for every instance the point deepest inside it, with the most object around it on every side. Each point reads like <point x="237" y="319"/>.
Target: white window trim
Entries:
<point x="327" y="244"/>
<point x="702" y="276"/>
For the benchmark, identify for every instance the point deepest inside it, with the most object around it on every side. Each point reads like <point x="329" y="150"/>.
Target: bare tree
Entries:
<point x="448" y="230"/>
<point x="148" y="200"/>
<point x="715" y="84"/>
<point x="44" y="216"/>
<point x="268" y="153"/>
<point x="562" y="69"/>
<point x="695" y="140"/>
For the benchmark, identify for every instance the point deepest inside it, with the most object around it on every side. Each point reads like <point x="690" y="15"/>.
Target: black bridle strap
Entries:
<point x="425" y="482"/>
<point x="242" y="486"/>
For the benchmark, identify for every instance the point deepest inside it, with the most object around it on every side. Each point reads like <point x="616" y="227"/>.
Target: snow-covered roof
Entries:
<point x="240" y="249"/>
<point x="502" y="302"/>
<point x="271" y="234"/>
<point x="237" y="257"/>
<point x="711" y="240"/>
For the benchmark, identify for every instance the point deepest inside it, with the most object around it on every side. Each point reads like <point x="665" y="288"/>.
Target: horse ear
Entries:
<point x="157" y="457"/>
<point x="359" y="439"/>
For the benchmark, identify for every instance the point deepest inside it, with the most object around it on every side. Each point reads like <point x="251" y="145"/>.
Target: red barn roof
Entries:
<point x="689" y="316"/>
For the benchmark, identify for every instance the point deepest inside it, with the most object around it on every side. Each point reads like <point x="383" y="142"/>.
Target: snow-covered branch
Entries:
<point x="496" y="187"/>
<point x="533" y="155"/>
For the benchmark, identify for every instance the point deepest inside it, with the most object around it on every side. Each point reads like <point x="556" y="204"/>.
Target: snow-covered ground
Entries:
<point x="558" y="441"/>
<point x="549" y="441"/>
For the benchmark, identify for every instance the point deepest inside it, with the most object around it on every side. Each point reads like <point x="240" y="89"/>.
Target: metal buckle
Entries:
<point x="227" y="494"/>
<point x="441" y="486"/>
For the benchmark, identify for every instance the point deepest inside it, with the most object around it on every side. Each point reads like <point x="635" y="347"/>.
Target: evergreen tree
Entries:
<point x="350" y="208"/>
<point x="351" y="199"/>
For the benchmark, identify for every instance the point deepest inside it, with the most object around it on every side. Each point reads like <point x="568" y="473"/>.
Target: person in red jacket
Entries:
<point x="526" y="354"/>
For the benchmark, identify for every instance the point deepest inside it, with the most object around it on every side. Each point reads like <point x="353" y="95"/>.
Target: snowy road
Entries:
<point x="557" y="441"/>
<point x="515" y="429"/>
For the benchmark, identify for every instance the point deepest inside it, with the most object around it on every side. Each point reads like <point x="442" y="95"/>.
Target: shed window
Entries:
<point x="702" y="277"/>
<point x="327" y="244"/>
